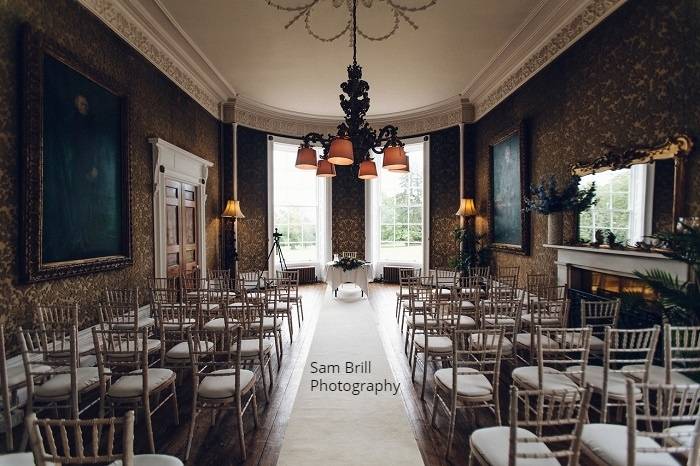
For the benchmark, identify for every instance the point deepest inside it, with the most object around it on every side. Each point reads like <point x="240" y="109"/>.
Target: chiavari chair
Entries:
<point x="253" y="283"/>
<point x="120" y="317"/>
<point x="431" y="337"/>
<point x="633" y="348"/>
<point x="473" y="380"/>
<point x="465" y="299"/>
<point x="173" y="322"/>
<point x="508" y="271"/>
<point x="502" y="310"/>
<point x="278" y="302"/>
<point x="419" y="290"/>
<point x="402" y="294"/>
<point x="543" y="314"/>
<point x="95" y="441"/>
<point x="122" y="296"/>
<point x="663" y="425"/>
<point x="557" y="364"/>
<point x="66" y="384"/>
<point x="534" y="282"/>
<point x="126" y="378"/>
<point x="218" y="381"/>
<point x="598" y="315"/>
<point x="271" y="326"/>
<point x="349" y="254"/>
<point x="545" y="428"/>
<point x="292" y="276"/>
<point x="681" y="358"/>
<point x="256" y="349"/>
<point x="445" y="280"/>
<point x="62" y="317"/>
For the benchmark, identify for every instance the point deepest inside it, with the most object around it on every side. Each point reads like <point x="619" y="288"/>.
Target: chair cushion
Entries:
<point x="251" y="347"/>
<point x="16" y="375"/>
<point x="420" y="321"/>
<point x="59" y="385"/>
<point x="436" y="344"/>
<point x="129" y="385"/>
<point x="574" y="339"/>
<point x="491" y="341"/>
<point x="525" y="339"/>
<point x="19" y="459"/>
<point x="181" y="351"/>
<point x="219" y="324"/>
<point x="594" y="377"/>
<point x="552" y="379"/>
<point x="129" y="324"/>
<point x="545" y="320"/>
<point x="269" y="323"/>
<point x="221" y="387"/>
<point x="492" y="443"/>
<point x="470" y="383"/>
<point x="657" y="375"/>
<point x="178" y="324"/>
<point x="682" y="435"/>
<point x="152" y="460"/>
<point x="464" y="321"/>
<point x="491" y="321"/>
<point x="608" y="442"/>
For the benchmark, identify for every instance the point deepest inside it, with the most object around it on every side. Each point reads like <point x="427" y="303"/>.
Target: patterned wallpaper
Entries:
<point x="158" y="109"/>
<point x="348" y="212"/>
<point x="632" y="80"/>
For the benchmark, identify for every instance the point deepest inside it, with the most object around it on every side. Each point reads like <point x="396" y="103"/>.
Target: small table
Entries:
<point x="361" y="276"/>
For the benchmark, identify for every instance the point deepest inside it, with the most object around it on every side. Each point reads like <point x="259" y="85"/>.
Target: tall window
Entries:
<point x="397" y="211"/>
<point x="299" y="201"/>
<point x="621" y="204"/>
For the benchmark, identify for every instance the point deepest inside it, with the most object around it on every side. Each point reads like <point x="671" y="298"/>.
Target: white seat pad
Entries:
<point x="436" y="344"/>
<point x="132" y="385"/>
<point x="552" y="379"/>
<point x="492" y="443"/>
<point x="19" y="459"/>
<point x="181" y="351"/>
<point x="129" y="324"/>
<point x="178" y="324"/>
<point x="251" y="347"/>
<point x="152" y="460"/>
<point x="220" y="324"/>
<point x="525" y="339"/>
<point x="657" y="375"/>
<point x="464" y="321"/>
<point x="468" y="305"/>
<point x="420" y="321"/>
<point x="609" y="443"/>
<point x="17" y="376"/>
<point x="269" y="323"/>
<point x="59" y="385"/>
<point x="594" y="376"/>
<point x="682" y="435"/>
<point x="491" y="321"/>
<point x="545" y="320"/>
<point x="219" y="387"/>
<point x="491" y="342"/>
<point x="470" y="383"/>
<point x="574" y="339"/>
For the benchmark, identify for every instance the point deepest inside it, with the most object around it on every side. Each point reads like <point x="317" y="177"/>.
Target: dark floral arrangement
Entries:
<point x="546" y="199"/>
<point x="348" y="263"/>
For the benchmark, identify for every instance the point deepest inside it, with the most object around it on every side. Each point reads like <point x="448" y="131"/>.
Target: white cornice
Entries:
<point x="552" y="27"/>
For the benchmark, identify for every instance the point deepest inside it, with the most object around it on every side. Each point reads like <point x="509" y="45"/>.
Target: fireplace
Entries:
<point x="608" y="285"/>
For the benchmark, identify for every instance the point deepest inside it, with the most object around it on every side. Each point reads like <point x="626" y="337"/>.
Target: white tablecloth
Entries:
<point x="335" y="276"/>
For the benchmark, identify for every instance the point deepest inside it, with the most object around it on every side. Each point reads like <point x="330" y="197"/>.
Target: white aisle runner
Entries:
<point x="329" y="424"/>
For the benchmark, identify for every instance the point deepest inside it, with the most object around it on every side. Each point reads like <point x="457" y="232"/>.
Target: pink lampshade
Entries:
<point x="325" y="169"/>
<point x="368" y="170"/>
<point x="402" y="170"/>
<point x="340" y="152"/>
<point x="306" y="158"/>
<point x="394" y="158"/>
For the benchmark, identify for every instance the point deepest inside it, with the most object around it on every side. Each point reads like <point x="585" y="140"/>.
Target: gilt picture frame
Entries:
<point x="508" y="183"/>
<point x="76" y="183"/>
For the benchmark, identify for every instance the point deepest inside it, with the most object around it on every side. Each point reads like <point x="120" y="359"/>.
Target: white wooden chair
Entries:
<point x="51" y="445"/>
<point x="663" y="424"/>
<point x="125" y="296"/>
<point x="473" y="380"/>
<point x="542" y="313"/>
<point x="279" y="304"/>
<point x="545" y="428"/>
<point x="256" y="349"/>
<point x="218" y="381"/>
<point x="598" y="315"/>
<point x="292" y="276"/>
<point x="503" y="311"/>
<point x="420" y="289"/>
<point x="126" y="378"/>
<point x="349" y="254"/>
<point x="402" y="294"/>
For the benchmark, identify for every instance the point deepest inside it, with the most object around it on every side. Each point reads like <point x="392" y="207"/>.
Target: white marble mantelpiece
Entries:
<point x="614" y="261"/>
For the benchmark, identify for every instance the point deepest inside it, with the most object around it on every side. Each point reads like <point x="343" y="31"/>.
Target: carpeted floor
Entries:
<point x="348" y="414"/>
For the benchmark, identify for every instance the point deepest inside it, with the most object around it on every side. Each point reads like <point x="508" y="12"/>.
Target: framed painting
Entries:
<point x="509" y="179"/>
<point x="75" y="210"/>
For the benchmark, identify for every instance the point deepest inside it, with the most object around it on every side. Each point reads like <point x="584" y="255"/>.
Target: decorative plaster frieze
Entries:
<point x="567" y="35"/>
<point x="114" y="14"/>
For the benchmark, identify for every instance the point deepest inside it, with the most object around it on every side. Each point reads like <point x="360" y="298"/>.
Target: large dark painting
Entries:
<point x="510" y="229"/>
<point x="76" y="166"/>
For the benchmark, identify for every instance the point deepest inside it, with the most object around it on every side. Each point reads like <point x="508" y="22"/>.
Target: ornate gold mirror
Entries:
<point x="640" y="190"/>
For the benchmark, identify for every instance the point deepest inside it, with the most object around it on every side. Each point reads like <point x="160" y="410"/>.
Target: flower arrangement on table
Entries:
<point x="348" y="263"/>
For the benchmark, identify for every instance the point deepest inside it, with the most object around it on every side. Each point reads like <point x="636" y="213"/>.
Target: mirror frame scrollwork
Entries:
<point x="678" y="148"/>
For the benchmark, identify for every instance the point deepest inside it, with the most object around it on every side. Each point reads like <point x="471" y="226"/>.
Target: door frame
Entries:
<point x="175" y="163"/>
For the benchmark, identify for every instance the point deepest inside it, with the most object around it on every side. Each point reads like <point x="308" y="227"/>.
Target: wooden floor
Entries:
<point x="218" y="445"/>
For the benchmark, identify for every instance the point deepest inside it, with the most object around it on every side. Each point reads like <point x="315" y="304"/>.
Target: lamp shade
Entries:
<point x="394" y="158"/>
<point x="233" y="209"/>
<point x="325" y="169"/>
<point x="340" y="152"/>
<point x="466" y="208"/>
<point x="306" y="158"/>
<point x="368" y="170"/>
<point x="402" y="170"/>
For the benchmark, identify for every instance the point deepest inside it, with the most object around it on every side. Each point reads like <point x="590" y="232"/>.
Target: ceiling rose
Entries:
<point x="400" y="12"/>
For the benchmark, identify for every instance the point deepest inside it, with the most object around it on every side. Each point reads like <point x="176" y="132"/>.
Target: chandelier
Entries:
<point x="356" y="140"/>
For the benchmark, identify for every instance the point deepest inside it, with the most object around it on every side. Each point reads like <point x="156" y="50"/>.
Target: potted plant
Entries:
<point x="546" y="199"/>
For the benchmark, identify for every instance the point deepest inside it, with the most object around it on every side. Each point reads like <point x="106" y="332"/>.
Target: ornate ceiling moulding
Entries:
<point x="116" y="15"/>
<point x="572" y="30"/>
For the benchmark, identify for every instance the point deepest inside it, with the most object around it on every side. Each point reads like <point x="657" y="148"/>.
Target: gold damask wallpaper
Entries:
<point x="158" y="109"/>
<point x="632" y="80"/>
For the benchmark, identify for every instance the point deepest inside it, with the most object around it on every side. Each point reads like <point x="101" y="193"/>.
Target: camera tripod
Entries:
<point x="277" y="249"/>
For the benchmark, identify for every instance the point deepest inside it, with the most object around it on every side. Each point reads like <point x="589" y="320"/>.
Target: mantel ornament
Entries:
<point x="617" y="158"/>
